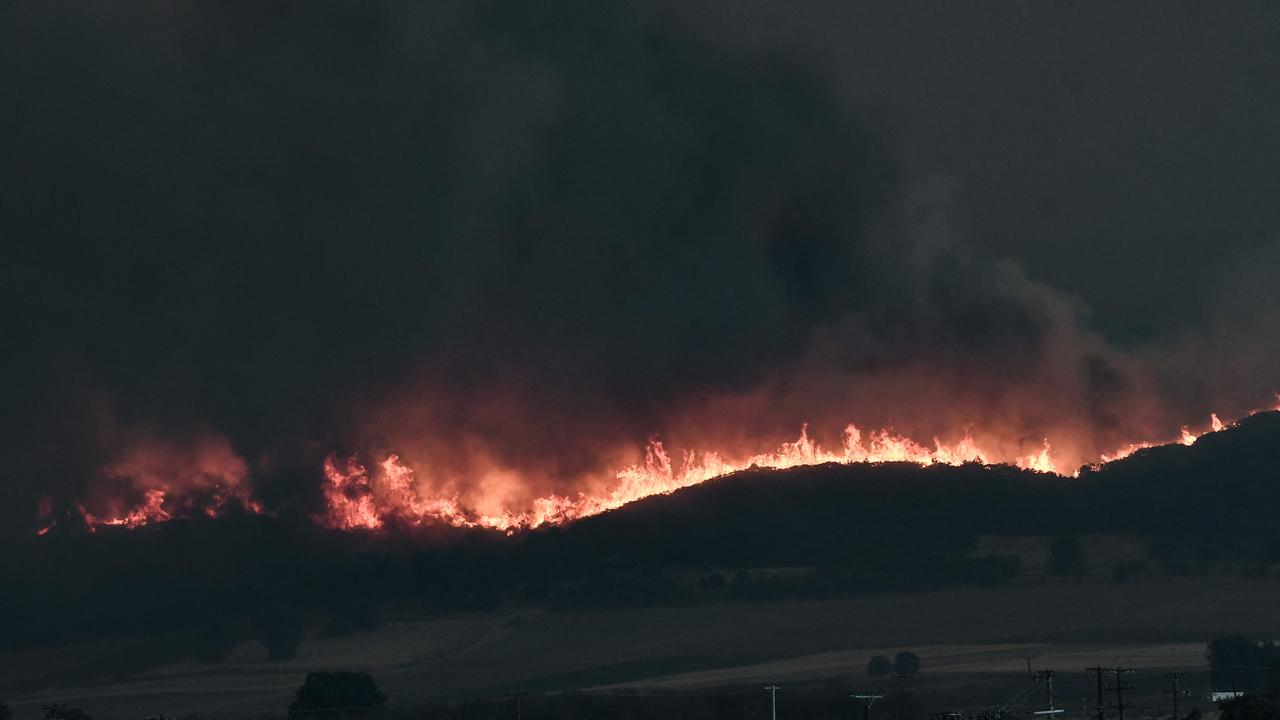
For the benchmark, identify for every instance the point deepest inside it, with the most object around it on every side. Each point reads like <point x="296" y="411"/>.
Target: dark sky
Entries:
<point x="491" y="233"/>
<point x="1103" y="145"/>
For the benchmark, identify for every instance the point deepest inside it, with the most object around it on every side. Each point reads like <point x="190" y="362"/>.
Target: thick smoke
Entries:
<point x="510" y="242"/>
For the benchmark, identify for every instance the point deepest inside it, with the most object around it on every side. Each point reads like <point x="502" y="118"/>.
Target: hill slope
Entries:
<point x="806" y="533"/>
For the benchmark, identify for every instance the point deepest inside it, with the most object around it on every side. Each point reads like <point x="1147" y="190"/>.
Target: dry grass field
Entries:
<point x="966" y="638"/>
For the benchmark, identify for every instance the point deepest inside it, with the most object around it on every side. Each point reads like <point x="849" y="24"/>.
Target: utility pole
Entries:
<point x="1102" y="710"/>
<point x="773" y="697"/>
<point x="868" y="699"/>
<point x="902" y="691"/>
<point x="1120" y="686"/>
<point x="1174" y="692"/>
<point x="517" y="696"/>
<point x="1046" y="676"/>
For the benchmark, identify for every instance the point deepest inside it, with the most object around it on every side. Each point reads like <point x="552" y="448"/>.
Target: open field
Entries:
<point x="960" y="634"/>
<point x="1007" y="659"/>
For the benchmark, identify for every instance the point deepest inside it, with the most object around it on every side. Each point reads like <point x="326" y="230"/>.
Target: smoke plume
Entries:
<point x="510" y="243"/>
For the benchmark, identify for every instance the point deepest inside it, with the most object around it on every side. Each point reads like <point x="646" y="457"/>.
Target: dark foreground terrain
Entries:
<point x="974" y="645"/>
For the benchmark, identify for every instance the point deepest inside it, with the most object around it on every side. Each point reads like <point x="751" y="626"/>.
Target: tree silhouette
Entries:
<point x="879" y="665"/>
<point x="325" y="692"/>
<point x="1235" y="662"/>
<point x="906" y="663"/>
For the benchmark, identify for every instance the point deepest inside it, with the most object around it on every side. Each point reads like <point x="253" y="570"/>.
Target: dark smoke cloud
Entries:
<point x="262" y="216"/>
<point x="529" y="234"/>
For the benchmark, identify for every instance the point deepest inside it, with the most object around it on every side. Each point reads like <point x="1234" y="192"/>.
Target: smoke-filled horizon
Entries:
<point x="512" y="245"/>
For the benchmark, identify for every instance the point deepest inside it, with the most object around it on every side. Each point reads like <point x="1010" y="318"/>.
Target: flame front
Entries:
<point x="168" y="481"/>
<point x="358" y="499"/>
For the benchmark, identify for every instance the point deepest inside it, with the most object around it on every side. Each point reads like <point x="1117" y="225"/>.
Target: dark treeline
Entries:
<point x="756" y="536"/>
<point x="1241" y="664"/>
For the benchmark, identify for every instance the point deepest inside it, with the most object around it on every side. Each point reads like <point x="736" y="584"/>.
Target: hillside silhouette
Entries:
<point x="755" y="536"/>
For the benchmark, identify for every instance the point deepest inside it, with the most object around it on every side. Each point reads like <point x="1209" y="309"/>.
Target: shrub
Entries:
<point x="325" y="692"/>
<point x="879" y="665"/>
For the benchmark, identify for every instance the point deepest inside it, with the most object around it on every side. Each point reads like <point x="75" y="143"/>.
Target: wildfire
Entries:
<point x="155" y="481"/>
<point x="151" y="510"/>
<point x="207" y="478"/>
<point x="1185" y="437"/>
<point x="358" y="499"/>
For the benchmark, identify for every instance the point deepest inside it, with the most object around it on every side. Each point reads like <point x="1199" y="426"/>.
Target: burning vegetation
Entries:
<point x="357" y="499"/>
<point x="156" y="482"/>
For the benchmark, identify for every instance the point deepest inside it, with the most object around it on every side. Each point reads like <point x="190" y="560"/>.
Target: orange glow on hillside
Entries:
<point x="358" y="499"/>
<point x="158" y="481"/>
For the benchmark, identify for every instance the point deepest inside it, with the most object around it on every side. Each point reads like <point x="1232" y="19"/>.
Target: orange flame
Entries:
<point x="151" y="510"/>
<point x="207" y="477"/>
<point x="358" y="500"/>
<point x="1186" y="437"/>
<point x="203" y="477"/>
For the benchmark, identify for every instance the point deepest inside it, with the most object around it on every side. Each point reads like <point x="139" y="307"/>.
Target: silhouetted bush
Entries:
<point x="906" y="663"/>
<point x="325" y="694"/>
